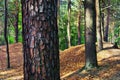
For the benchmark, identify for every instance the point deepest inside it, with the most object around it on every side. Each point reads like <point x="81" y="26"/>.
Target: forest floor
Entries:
<point x="71" y="63"/>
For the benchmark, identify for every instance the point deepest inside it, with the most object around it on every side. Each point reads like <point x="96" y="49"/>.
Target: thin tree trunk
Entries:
<point x="98" y="26"/>
<point x="107" y="23"/>
<point x="102" y="27"/>
<point x="79" y="21"/>
<point x="16" y="20"/>
<point x="102" y="18"/>
<point x="68" y="26"/>
<point x="16" y="27"/>
<point x="5" y="34"/>
<point x="90" y="35"/>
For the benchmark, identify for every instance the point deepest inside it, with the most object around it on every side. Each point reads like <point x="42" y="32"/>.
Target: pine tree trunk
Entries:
<point x="40" y="40"/>
<point x="16" y="20"/>
<point x="90" y="35"/>
<point x="16" y="27"/>
<point x="5" y="33"/>
<point x="98" y="26"/>
<point x="102" y="27"/>
<point x="79" y="21"/>
<point x="107" y="23"/>
<point x="68" y="26"/>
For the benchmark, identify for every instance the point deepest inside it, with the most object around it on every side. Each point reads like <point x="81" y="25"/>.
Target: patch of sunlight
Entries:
<point x="96" y="79"/>
<point x="118" y="65"/>
<point x="84" y="72"/>
<point x="106" y="74"/>
<point x="15" y="78"/>
<point x="7" y="72"/>
<point x="68" y="74"/>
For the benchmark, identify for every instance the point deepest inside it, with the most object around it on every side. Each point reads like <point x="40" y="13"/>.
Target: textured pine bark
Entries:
<point x="90" y="35"/>
<point x="40" y="40"/>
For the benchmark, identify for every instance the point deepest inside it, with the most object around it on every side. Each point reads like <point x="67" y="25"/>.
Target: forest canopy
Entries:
<point x="77" y="7"/>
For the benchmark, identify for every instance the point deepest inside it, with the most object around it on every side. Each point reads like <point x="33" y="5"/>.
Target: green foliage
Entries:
<point x="76" y="6"/>
<point x="117" y="33"/>
<point x="13" y="6"/>
<point x="11" y="32"/>
<point x="62" y="31"/>
<point x="63" y="21"/>
<point x="11" y="39"/>
<point x="20" y="27"/>
<point x="2" y="41"/>
<point x="20" y="38"/>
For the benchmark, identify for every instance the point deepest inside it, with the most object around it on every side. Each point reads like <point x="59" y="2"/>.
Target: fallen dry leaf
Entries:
<point x="71" y="61"/>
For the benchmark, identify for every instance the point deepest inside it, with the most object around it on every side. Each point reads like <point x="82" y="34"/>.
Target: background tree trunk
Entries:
<point x="102" y="2"/>
<point x="102" y="26"/>
<point x="16" y="20"/>
<point x="79" y="21"/>
<point x="5" y="32"/>
<point x="107" y="23"/>
<point x="40" y="40"/>
<point x="90" y="35"/>
<point x="68" y="26"/>
<point x="16" y="27"/>
<point x="98" y="26"/>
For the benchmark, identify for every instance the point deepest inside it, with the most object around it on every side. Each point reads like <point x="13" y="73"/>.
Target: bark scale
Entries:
<point x="40" y="40"/>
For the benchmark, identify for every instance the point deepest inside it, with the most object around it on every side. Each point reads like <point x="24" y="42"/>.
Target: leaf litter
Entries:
<point x="71" y="62"/>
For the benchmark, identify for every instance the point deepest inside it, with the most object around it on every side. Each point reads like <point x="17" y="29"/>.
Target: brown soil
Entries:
<point x="71" y="63"/>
